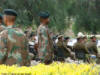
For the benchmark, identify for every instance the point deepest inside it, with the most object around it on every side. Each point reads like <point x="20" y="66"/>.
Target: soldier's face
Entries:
<point x="8" y="18"/>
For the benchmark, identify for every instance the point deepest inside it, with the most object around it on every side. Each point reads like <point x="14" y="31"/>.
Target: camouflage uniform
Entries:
<point x="45" y="44"/>
<point x="2" y="28"/>
<point x="13" y="47"/>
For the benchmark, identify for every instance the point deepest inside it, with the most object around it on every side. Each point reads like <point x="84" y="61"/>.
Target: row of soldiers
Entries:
<point x="14" y="43"/>
<point x="62" y="49"/>
<point x="81" y="50"/>
<point x="88" y="49"/>
<point x="48" y="50"/>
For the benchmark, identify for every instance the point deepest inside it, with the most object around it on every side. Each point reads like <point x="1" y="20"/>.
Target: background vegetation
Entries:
<point x="83" y="15"/>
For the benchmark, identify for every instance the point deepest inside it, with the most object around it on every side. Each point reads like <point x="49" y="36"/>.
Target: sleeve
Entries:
<point x="86" y="49"/>
<point x="95" y="49"/>
<point x="3" y="47"/>
<point x="65" y="46"/>
<point x="25" y="52"/>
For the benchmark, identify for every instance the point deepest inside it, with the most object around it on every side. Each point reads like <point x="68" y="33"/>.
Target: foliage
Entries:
<point x="84" y="12"/>
<point x="87" y="16"/>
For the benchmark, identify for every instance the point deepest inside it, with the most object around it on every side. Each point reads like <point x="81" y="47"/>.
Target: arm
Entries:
<point x="3" y="47"/>
<point x="95" y="49"/>
<point x="25" y="52"/>
<point x="44" y="38"/>
<point x="86" y="49"/>
<point x="68" y="49"/>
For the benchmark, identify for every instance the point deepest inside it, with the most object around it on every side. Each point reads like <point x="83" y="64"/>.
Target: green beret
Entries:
<point x="44" y="15"/>
<point x="10" y="12"/>
<point x="0" y="16"/>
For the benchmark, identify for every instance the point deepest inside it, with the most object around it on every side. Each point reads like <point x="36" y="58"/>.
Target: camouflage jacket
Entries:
<point x="2" y="28"/>
<point x="13" y="47"/>
<point x="45" y="43"/>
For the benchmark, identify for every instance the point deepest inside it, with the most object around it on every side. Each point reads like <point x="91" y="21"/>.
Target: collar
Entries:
<point x="11" y="26"/>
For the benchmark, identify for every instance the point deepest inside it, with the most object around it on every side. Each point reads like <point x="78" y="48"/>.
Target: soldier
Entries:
<point x="13" y="43"/>
<point x="45" y="50"/>
<point x="92" y="47"/>
<point x="66" y="40"/>
<point x="80" y="49"/>
<point x="1" y="26"/>
<point x="62" y="51"/>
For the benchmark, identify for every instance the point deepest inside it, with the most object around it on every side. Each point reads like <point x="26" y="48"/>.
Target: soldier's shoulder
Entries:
<point x="78" y="44"/>
<point x="15" y="32"/>
<point x="18" y="30"/>
<point x="3" y="32"/>
<point x="2" y="27"/>
<point x="59" y="43"/>
<point x="91" y="43"/>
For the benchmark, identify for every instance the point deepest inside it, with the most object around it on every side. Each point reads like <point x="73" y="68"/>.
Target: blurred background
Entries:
<point x="67" y="16"/>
